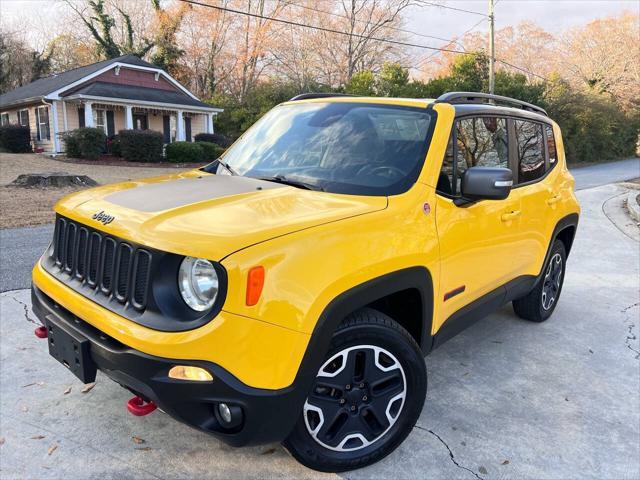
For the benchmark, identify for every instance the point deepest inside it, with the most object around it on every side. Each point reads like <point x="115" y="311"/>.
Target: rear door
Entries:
<point x="476" y="240"/>
<point x="535" y="181"/>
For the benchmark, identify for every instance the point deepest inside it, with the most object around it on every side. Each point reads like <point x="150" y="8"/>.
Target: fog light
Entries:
<point x="225" y="412"/>
<point x="185" y="372"/>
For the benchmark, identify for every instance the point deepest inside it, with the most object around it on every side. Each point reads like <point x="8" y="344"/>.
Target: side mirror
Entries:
<point x="486" y="183"/>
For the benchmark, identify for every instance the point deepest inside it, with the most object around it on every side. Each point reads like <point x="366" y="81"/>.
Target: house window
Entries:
<point x="4" y="119"/>
<point x="99" y="119"/>
<point x="42" y="117"/>
<point x="23" y="117"/>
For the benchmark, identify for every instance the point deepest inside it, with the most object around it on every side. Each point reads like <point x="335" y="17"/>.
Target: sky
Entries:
<point x="552" y="15"/>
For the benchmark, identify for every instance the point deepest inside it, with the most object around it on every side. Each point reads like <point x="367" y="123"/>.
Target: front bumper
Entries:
<point x="268" y="415"/>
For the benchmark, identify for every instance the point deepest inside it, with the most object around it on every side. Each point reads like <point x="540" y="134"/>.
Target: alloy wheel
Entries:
<point x="357" y="397"/>
<point x="552" y="281"/>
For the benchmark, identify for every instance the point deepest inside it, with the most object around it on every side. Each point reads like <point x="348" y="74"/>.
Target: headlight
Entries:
<point x="198" y="283"/>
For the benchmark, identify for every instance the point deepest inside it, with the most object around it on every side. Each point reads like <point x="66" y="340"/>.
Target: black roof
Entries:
<point x="132" y="92"/>
<point x="45" y="86"/>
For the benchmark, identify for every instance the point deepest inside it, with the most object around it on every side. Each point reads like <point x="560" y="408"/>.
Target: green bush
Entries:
<point x="210" y="151"/>
<point x="216" y="138"/>
<point x="85" y="142"/>
<point x="141" y="145"/>
<point x="15" y="139"/>
<point x="184" y="152"/>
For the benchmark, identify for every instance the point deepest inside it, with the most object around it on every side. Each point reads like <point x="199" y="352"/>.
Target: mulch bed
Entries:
<point x="111" y="161"/>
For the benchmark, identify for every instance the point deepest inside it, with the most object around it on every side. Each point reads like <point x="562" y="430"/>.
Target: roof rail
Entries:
<point x="474" y="97"/>
<point x="307" y="96"/>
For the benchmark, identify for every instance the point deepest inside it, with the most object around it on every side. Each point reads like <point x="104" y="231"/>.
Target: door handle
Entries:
<point x="507" y="217"/>
<point x="554" y="199"/>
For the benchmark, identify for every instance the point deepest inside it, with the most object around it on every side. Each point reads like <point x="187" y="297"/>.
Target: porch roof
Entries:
<point x="133" y="93"/>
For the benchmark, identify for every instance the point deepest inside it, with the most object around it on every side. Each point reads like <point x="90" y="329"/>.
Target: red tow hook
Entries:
<point x="41" y="332"/>
<point x="138" y="407"/>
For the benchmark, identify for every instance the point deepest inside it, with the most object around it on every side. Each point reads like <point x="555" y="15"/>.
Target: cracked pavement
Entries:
<point x="506" y="398"/>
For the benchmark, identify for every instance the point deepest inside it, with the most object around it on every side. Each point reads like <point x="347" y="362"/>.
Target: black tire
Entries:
<point x="539" y="304"/>
<point x="365" y="335"/>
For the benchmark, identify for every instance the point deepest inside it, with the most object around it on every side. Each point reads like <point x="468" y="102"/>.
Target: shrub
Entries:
<point x="85" y="142"/>
<point x="210" y="151"/>
<point x="217" y="138"/>
<point x="184" y="152"/>
<point x="141" y="145"/>
<point x="15" y="139"/>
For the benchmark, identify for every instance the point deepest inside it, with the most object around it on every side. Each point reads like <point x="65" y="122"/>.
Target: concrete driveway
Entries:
<point x="507" y="398"/>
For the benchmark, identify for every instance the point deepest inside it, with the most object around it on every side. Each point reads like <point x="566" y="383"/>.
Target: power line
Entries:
<point x="425" y="60"/>
<point x="389" y="27"/>
<point x="339" y="32"/>
<point x="453" y="8"/>
<point x="322" y="29"/>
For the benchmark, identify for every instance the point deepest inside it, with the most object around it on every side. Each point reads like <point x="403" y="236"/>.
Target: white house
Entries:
<point x="121" y="93"/>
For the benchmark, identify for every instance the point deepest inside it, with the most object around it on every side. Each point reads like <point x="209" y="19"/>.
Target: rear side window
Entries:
<point x="551" y="146"/>
<point x="480" y="142"/>
<point x="530" y="148"/>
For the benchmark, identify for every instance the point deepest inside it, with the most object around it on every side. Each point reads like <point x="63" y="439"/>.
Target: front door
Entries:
<point x="140" y="122"/>
<point x="187" y="129"/>
<point x="476" y="240"/>
<point x="166" y="128"/>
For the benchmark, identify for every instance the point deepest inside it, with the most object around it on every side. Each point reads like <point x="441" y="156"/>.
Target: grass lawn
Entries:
<point x="21" y="207"/>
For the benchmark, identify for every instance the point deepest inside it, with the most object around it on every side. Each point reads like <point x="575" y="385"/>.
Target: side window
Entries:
<point x="551" y="146"/>
<point x="480" y="142"/>
<point x="530" y="148"/>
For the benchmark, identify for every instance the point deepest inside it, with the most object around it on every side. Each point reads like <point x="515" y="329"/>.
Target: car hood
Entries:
<point x="206" y="215"/>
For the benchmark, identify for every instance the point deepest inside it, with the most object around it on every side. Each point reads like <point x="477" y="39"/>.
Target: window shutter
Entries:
<point x="166" y="128"/>
<point x="81" y="117"/>
<point x="187" y="128"/>
<point x="110" y="124"/>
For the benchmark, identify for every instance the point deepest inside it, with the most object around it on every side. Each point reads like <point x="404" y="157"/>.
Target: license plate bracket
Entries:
<point x="71" y="349"/>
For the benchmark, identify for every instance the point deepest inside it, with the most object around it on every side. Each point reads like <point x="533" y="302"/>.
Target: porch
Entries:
<point x="176" y="124"/>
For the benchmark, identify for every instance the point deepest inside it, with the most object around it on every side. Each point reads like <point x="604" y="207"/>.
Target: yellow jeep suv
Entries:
<point x="289" y="290"/>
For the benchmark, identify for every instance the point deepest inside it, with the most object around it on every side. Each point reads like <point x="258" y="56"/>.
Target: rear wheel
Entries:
<point x="540" y="303"/>
<point x="366" y="397"/>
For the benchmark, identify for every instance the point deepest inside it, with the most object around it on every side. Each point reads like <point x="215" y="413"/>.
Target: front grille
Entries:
<point x="102" y="263"/>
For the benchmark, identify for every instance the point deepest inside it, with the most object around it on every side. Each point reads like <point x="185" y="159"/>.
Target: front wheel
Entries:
<point x="366" y="398"/>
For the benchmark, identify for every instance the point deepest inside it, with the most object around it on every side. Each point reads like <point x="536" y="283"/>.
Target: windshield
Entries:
<point x="352" y="148"/>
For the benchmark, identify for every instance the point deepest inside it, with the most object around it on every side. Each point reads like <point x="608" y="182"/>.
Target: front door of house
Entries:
<point x="140" y="122"/>
<point x="187" y="129"/>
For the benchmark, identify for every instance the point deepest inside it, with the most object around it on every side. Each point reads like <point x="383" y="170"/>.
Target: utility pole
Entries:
<point x="492" y="51"/>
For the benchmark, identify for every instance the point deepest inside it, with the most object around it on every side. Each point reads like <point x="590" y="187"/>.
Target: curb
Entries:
<point x="632" y="205"/>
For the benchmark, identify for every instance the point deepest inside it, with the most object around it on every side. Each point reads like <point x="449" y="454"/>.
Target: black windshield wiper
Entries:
<point x="294" y="183"/>
<point x="227" y="167"/>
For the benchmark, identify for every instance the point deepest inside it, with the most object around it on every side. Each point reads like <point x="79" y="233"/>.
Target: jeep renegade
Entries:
<point x="289" y="290"/>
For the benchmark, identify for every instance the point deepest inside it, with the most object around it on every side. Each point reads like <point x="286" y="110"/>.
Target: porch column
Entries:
<point x="56" y="129"/>
<point x="210" y="123"/>
<point x="128" y="117"/>
<point x="179" y="126"/>
<point x="88" y="114"/>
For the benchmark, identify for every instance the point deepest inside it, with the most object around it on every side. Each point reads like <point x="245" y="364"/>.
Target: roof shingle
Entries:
<point x="45" y="86"/>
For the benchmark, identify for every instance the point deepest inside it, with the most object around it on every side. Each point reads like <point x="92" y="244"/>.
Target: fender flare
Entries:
<point x="355" y="298"/>
<point x="568" y="221"/>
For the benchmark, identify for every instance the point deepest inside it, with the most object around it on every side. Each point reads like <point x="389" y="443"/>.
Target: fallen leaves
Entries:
<point x="506" y="462"/>
<point x="67" y="391"/>
<point x="37" y="437"/>
<point x="88" y="387"/>
<point x="269" y="451"/>
<point x="138" y="440"/>
<point x="52" y="449"/>
<point x="1" y="440"/>
<point x="143" y="449"/>
<point x="483" y="470"/>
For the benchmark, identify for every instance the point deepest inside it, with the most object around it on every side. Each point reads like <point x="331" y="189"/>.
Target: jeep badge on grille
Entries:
<point x="103" y="217"/>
